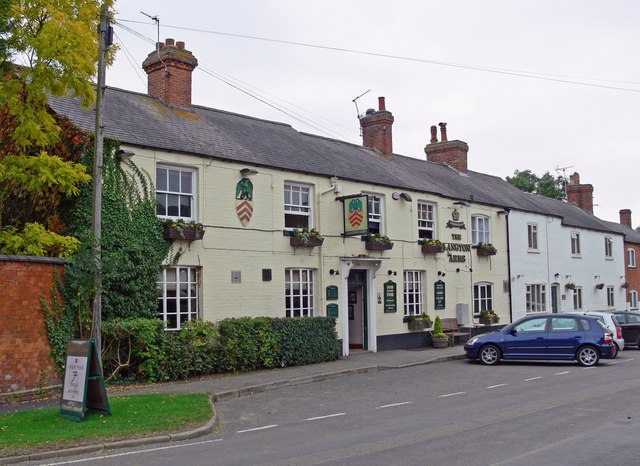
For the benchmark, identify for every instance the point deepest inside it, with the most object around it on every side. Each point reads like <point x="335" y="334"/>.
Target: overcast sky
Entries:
<point x="564" y="91"/>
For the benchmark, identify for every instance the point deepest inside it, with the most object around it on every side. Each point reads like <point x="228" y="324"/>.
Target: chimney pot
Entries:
<point x="381" y="104"/>
<point x="443" y="131"/>
<point x="434" y="134"/>
<point x="159" y="45"/>
<point x="180" y="44"/>
<point x="170" y="42"/>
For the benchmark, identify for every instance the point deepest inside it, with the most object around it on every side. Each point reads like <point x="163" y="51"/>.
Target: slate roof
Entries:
<point x="140" y="120"/>
<point x="630" y="235"/>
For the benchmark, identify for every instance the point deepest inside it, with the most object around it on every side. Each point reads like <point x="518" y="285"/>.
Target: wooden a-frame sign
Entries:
<point x="83" y="387"/>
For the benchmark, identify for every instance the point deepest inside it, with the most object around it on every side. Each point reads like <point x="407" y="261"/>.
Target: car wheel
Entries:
<point x="588" y="356"/>
<point x="490" y="355"/>
<point x="616" y="350"/>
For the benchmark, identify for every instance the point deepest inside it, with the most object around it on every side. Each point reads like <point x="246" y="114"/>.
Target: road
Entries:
<point x="454" y="413"/>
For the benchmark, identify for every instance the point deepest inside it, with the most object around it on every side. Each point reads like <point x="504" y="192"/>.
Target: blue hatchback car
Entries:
<point x="561" y="337"/>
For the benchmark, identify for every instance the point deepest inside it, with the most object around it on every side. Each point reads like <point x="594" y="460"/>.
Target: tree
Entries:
<point x="545" y="185"/>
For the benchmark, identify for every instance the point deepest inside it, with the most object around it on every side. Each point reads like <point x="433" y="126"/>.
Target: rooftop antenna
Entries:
<point x="355" y="101"/>
<point x="156" y="20"/>
<point x="564" y="177"/>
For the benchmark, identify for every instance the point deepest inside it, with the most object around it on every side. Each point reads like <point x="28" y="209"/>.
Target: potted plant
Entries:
<point x="625" y="285"/>
<point x="179" y="229"/>
<point x="438" y="337"/>
<point x="304" y="238"/>
<point x="377" y="242"/>
<point x="431" y="246"/>
<point x="486" y="249"/>
<point x="600" y="286"/>
<point x="488" y="317"/>
<point x="570" y="286"/>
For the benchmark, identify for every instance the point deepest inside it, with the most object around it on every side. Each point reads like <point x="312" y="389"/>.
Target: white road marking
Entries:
<point x="562" y="373"/>
<point x="532" y="378"/>
<point x="325" y="417"/>
<point x="394" y="404"/>
<point x="116" y="455"/>
<point x="496" y="386"/>
<point x="257" y="428"/>
<point x="452" y="394"/>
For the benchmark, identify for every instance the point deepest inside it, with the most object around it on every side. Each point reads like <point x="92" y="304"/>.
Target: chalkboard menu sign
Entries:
<point x="83" y="388"/>
<point x="390" y="301"/>
<point x="438" y="293"/>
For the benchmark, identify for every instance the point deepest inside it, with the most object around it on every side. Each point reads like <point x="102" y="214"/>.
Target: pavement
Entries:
<point x="222" y="387"/>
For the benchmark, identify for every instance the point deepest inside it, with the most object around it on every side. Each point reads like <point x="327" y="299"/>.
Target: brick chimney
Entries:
<point x="376" y="129"/>
<point x="625" y="217"/>
<point x="451" y="153"/>
<point x="580" y="194"/>
<point x="169" y="71"/>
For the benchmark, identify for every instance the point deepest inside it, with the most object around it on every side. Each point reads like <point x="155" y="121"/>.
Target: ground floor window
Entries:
<point x="178" y="300"/>
<point x="413" y="296"/>
<point x="482" y="297"/>
<point x="299" y="292"/>
<point x="577" y="299"/>
<point x="610" y="297"/>
<point x="536" y="298"/>
<point x="633" y="299"/>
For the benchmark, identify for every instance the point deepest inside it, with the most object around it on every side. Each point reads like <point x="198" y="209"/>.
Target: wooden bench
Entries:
<point x="451" y="328"/>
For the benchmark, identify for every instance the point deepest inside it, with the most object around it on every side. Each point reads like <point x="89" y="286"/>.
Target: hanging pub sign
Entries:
<point x="355" y="214"/>
<point x="438" y="294"/>
<point x="83" y="388"/>
<point x="390" y="297"/>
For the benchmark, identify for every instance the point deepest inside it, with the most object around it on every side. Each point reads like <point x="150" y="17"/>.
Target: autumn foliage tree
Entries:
<point x="43" y="51"/>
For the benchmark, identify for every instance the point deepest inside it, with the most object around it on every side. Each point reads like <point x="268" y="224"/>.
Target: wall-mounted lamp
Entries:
<point x="502" y="212"/>
<point x="464" y="203"/>
<point x="334" y="272"/>
<point x="396" y="196"/>
<point x="595" y="277"/>
<point x="458" y="270"/>
<point x="441" y="274"/>
<point x="124" y="154"/>
<point x="247" y="172"/>
<point x="557" y="275"/>
<point x="391" y="272"/>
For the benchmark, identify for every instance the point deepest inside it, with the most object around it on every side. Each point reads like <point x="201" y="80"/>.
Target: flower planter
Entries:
<point x="377" y="246"/>
<point x="440" y="342"/>
<point x="188" y="233"/>
<point x="432" y="248"/>
<point x="487" y="321"/>
<point x="486" y="252"/>
<point x="310" y="242"/>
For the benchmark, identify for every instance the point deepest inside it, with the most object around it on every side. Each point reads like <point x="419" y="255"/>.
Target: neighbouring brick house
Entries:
<point x="631" y="279"/>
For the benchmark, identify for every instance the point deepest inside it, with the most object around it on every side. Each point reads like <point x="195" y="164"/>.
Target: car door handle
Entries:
<point x="578" y="336"/>
<point x="540" y="338"/>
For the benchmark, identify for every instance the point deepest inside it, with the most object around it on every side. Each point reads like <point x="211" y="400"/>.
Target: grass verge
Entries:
<point x="132" y="416"/>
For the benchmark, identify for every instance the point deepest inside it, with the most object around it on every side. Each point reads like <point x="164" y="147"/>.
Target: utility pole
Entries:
<point x="105" y="41"/>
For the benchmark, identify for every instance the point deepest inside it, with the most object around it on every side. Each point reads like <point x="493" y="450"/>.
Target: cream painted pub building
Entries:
<point x="254" y="183"/>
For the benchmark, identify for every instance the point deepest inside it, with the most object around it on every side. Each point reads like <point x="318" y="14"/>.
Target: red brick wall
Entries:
<point x="25" y="363"/>
<point x="452" y="153"/>
<point x="632" y="273"/>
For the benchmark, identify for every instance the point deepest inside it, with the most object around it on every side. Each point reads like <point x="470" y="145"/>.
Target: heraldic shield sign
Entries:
<point x="244" y="201"/>
<point x="355" y="214"/>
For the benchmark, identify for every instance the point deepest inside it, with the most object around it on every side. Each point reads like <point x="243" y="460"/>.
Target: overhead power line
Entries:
<point x="519" y="73"/>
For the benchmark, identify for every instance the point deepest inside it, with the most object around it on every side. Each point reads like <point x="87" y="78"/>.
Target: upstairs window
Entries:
<point x="426" y="220"/>
<point x="175" y="193"/>
<point x="608" y="247"/>
<point x="375" y="207"/>
<point x="532" y="233"/>
<point x="631" y="256"/>
<point x="575" y="244"/>
<point x="480" y="230"/>
<point x="297" y="207"/>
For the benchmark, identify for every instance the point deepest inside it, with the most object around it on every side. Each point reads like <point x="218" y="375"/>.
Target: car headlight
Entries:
<point x="472" y="340"/>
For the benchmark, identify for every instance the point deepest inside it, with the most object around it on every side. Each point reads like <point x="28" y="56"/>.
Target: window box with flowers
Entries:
<point x="431" y="246"/>
<point x="306" y="239"/>
<point x="418" y="322"/>
<point x="179" y="229"/>
<point x="488" y="317"/>
<point x="486" y="249"/>
<point x="377" y="242"/>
